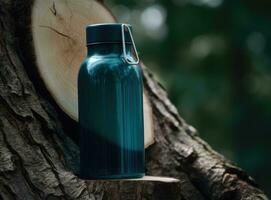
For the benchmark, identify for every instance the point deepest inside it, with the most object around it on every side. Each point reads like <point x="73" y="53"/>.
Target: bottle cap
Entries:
<point x="107" y="33"/>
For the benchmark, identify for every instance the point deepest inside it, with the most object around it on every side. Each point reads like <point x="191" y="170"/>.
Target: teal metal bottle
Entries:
<point x="110" y="106"/>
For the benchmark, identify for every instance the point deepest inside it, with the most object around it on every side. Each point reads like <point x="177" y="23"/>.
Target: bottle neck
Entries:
<point x="108" y="49"/>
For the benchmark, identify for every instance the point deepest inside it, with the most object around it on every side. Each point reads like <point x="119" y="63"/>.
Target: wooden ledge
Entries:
<point x="147" y="187"/>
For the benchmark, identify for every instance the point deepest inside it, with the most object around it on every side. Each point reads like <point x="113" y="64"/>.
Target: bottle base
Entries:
<point x="117" y="176"/>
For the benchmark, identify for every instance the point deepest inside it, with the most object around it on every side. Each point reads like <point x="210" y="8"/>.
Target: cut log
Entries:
<point x="149" y="187"/>
<point x="58" y="29"/>
<point x="38" y="159"/>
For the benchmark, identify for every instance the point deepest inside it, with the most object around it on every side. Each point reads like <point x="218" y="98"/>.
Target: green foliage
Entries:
<point x="213" y="56"/>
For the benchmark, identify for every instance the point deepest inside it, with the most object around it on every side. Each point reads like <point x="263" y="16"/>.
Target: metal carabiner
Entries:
<point x="126" y="59"/>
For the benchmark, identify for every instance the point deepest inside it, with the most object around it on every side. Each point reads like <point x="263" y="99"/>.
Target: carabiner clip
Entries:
<point x="126" y="59"/>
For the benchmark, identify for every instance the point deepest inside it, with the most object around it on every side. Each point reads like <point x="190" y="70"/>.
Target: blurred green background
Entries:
<point x="213" y="56"/>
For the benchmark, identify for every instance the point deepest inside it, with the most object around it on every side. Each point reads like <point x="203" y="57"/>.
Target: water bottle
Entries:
<point x="110" y="98"/>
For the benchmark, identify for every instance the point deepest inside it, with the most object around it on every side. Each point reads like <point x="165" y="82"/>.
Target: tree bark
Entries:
<point x="38" y="160"/>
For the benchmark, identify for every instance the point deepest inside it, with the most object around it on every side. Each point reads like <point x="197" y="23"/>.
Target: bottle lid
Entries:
<point x="107" y="33"/>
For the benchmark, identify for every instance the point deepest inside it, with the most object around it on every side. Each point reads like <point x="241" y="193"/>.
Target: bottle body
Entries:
<point x="110" y="116"/>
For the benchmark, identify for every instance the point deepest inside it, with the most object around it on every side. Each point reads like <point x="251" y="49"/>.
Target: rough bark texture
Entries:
<point x="38" y="160"/>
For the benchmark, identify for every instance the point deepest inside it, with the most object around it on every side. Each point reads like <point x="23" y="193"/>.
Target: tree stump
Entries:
<point x="38" y="158"/>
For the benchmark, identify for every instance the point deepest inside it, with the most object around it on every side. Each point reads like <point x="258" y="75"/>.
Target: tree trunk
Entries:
<point x="38" y="160"/>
